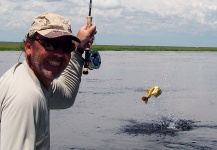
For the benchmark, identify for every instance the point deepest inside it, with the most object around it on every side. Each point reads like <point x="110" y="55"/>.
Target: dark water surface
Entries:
<point x="109" y="113"/>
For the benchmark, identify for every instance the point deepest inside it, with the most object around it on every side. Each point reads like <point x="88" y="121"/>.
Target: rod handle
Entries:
<point x="89" y="21"/>
<point x="87" y="50"/>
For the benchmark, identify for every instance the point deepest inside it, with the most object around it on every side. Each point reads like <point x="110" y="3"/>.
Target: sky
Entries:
<point x="121" y="22"/>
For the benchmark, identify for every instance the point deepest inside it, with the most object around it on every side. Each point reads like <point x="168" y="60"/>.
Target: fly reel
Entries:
<point x="94" y="60"/>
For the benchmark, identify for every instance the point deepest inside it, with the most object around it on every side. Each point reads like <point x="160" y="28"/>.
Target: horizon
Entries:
<point x="3" y="42"/>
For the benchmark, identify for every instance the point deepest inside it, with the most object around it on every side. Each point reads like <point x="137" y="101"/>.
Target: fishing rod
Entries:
<point x="92" y="59"/>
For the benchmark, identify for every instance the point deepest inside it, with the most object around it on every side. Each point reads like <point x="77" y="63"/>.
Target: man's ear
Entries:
<point x="27" y="47"/>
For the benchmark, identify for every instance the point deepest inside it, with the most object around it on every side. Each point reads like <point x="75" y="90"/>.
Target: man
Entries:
<point x="48" y="78"/>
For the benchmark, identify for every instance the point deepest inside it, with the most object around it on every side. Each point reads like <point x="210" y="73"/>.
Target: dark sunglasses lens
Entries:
<point x="50" y="45"/>
<point x="68" y="47"/>
<point x="47" y="45"/>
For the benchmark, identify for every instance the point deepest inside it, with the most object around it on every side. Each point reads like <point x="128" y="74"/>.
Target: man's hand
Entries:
<point x="86" y="35"/>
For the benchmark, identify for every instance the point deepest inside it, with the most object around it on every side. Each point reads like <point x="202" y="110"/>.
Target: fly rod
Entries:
<point x="92" y="59"/>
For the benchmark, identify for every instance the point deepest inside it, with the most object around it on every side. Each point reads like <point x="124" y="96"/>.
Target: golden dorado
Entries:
<point x="155" y="91"/>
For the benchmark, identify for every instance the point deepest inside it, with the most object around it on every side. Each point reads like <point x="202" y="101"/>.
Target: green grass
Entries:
<point x="16" y="46"/>
<point x="10" y="46"/>
<point x="149" y="48"/>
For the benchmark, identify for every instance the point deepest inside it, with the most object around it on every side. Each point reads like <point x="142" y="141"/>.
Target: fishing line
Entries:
<point x="94" y="14"/>
<point x="20" y="57"/>
<point x="94" y="20"/>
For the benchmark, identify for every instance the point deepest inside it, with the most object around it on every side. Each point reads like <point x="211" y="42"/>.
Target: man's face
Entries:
<point x="48" y="61"/>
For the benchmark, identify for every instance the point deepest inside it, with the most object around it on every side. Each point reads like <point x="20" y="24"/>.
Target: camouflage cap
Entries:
<point x="51" y="25"/>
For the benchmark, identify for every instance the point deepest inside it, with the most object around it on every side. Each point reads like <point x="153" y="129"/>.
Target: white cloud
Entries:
<point x="171" y="14"/>
<point x="108" y="4"/>
<point x="119" y="17"/>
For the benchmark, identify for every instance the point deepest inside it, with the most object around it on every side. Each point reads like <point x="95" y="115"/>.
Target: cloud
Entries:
<point x="152" y="14"/>
<point x="19" y="13"/>
<point x="176" y="16"/>
<point x="52" y="0"/>
<point x="108" y="4"/>
<point x="118" y="17"/>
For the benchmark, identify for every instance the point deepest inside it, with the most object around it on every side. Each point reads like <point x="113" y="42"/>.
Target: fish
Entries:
<point x="155" y="91"/>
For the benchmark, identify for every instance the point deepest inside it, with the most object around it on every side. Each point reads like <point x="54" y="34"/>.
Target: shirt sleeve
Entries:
<point x="65" y="88"/>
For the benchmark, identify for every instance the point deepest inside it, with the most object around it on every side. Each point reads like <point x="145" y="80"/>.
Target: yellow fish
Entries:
<point x="155" y="91"/>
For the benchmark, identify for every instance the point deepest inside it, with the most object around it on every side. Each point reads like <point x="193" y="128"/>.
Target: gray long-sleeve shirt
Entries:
<point x="25" y="104"/>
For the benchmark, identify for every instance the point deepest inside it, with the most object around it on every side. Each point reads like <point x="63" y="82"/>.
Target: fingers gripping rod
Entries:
<point x="87" y="50"/>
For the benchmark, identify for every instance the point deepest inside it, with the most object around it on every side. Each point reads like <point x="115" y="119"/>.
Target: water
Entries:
<point x="109" y="113"/>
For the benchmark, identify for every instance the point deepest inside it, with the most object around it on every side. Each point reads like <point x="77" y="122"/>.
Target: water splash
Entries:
<point x="166" y="126"/>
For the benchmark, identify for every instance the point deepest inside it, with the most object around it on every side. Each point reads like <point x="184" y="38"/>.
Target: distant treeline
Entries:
<point x="17" y="46"/>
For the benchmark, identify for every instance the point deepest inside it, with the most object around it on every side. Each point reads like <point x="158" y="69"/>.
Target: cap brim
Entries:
<point x="53" y="33"/>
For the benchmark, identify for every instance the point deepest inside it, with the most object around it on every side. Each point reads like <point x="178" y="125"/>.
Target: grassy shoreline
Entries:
<point x="17" y="46"/>
<point x="150" y="48"/>
<point x="10" y="46"/>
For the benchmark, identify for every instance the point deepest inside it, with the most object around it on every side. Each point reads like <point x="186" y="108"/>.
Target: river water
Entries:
<point x="109" y="114"/>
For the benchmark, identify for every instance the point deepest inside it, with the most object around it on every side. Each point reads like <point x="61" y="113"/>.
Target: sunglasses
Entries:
<point x="52" y="45"/>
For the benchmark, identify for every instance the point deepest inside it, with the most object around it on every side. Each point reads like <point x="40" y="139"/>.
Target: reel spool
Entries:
<point x="94" y="60"/>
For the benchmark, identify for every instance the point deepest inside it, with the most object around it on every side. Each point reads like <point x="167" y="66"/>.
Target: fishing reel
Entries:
<point x="92" y="60"/>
